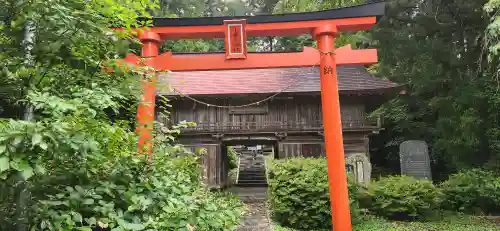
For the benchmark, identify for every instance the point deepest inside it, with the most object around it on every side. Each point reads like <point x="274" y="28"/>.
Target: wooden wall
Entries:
<point x="301" y="111"/>
<point x="356" y="153"/>
<point x="214" y="163"/>
<point x="353" y="144"/>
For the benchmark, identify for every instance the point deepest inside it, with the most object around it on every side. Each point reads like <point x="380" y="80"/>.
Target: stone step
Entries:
<point x="251" y="181"/>
<point x="250" y="165"/>
<point x="250" y="194"/>
<point x="247" y="166"/>
<point x="252" y="170"/>
<point x="250" y="156"/>
<point x="251" y="185"/>
<point x="247" y="177"/>
<point x="251" y="177"/>
<point x="251" y="161"/>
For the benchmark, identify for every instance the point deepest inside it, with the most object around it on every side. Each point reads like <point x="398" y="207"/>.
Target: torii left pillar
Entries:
<point x="146" y="111"/>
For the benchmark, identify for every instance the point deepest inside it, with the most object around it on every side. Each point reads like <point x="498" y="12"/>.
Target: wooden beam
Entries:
<point x="263" y="29"/>
<point x="307" y="58"/>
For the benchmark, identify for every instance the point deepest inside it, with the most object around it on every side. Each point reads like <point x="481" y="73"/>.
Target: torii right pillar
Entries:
<point x="337" y="177"/>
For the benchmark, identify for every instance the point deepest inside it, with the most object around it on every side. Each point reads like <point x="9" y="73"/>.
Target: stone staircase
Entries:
<point x="251" y="187"/>
<point x="252" y="171"/>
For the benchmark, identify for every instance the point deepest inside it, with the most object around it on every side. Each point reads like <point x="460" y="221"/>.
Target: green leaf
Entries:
<point x="91" y="221"/>
<point x="36" y="139"/>
<point x="39" y="169"/>
<point x="26" y="172"/>
<point x="88" y="201"/>
<point x="2" y="149"/>
<point x="17" y="140"/>
<point x="43" y="145"/>
<point x="85" y="228"/>
<point x="4" y="176"/>
<point x="135" y="226"/>
<point x="77" y="217"/>
<point x="4" y="164"/>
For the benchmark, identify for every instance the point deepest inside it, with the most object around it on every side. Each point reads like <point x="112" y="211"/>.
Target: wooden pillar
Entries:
<point x="146" y="109"/>
<point x="337" y="177"/>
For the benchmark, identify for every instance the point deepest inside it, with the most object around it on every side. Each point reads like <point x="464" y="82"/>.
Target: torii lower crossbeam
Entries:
<point x="324" y="26"/>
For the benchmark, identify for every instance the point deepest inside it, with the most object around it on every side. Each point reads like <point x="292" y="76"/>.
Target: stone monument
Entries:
<point x="414" y="159"/>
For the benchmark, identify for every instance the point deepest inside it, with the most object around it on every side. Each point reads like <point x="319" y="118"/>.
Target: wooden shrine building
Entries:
<point x="290" y="120"/>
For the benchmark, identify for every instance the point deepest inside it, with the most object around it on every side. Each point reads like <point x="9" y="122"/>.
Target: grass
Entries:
<point x="459" y="223"/>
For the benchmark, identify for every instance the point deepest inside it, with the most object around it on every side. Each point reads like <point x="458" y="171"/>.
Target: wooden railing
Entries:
<point x="272" y="126"/>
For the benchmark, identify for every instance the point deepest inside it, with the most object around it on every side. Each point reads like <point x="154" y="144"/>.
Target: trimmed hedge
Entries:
<point x="472" y="191"/>
<point x="298" y="192"/>
<point x="299" y="195"/>
<point x="403" y="198"/>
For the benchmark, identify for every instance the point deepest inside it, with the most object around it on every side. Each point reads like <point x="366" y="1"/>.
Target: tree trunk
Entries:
<point x="22" y="191"/>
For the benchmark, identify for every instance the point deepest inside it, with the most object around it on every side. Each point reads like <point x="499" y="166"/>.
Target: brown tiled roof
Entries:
<point x="297" y="79"/>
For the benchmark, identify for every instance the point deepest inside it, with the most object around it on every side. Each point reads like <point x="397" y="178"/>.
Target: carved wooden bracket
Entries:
<point x="218" y="136"/>
<point x="280" y="135"/>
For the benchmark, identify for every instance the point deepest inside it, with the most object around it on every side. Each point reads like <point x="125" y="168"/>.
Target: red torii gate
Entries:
<point x="323" y="25"/>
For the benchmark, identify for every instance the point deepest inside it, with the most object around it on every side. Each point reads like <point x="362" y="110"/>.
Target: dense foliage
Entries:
<point x="441" y="51"/>
<point x="138" y="195"/>
<point x="403" y="197"/>
<point x="474" y="191"/>
<point x="67" y="156"/>
<point x="298" y="192"/>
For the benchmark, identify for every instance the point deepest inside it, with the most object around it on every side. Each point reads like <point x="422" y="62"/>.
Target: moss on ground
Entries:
<point x="458" y="223"/>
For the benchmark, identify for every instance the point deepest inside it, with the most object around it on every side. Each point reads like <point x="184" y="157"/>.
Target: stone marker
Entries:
<point x="359" y="165"/>
<point x="414" y="159"/>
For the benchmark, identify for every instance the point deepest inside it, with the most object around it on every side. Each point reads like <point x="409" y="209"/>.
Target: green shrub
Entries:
<point x="472" y="191"/>
<point x="112" y="186"/>
<point x="298" y="192"/>
<point x="402" y="197"/>
<point x="233" y="158"/>
<point x="138" y="195"/>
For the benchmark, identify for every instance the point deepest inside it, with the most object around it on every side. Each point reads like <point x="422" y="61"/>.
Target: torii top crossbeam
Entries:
<point x="323" y="25"/>
<point x="355" y="18"/>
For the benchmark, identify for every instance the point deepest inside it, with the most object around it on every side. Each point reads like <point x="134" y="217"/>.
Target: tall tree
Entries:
<point x="436" y="49"/>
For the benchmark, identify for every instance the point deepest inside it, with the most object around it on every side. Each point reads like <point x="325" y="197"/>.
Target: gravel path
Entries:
<point x="257" y="217"/>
